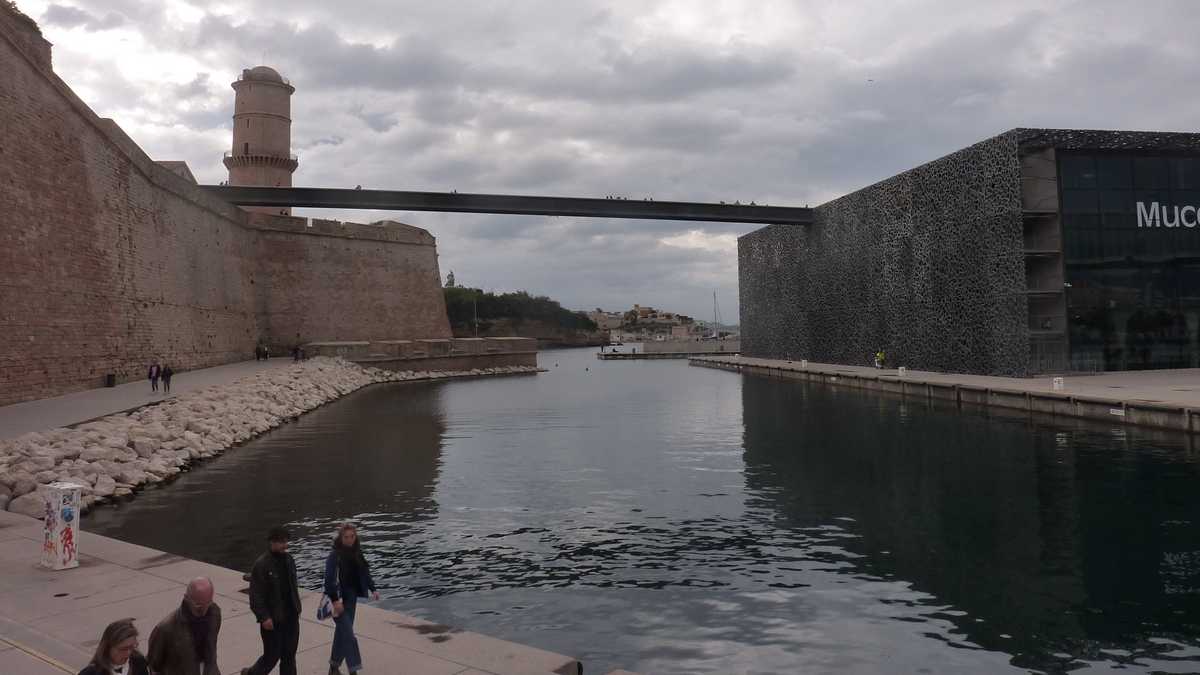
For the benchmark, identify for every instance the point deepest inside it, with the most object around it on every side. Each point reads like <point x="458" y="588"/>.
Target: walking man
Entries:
<point x="275" y="601"/>
<point x="166" y="378"/>
<point x="185" y="641"/>
<point x="155" y="371"/>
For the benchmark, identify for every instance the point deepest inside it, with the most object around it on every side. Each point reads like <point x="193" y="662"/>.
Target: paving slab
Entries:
<point x="16" y="662"/>
<point x="50" y="620"/>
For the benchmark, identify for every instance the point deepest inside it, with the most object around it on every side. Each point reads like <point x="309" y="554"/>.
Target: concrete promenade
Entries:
<point x="81" y="406"/>
<point x="1165" y="399"/>
<point x="50" y="621"/>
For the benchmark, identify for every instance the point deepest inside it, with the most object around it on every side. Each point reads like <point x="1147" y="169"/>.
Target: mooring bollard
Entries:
<point x="804" y="363"/>
<point x="60" y="526"/>
<point x="1058" y="384"/>
<point x="901" y="371"/>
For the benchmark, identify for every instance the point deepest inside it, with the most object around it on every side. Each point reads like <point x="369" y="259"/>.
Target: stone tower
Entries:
<point x="262" y="133"/>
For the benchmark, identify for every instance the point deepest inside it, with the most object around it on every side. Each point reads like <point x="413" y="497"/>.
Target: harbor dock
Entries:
<point x="1162" y="399"/>
<point x="51" y="621"/>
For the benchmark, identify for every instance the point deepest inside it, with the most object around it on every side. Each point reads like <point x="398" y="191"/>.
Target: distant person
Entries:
<point x="167" y="374"/>
<point x="155" y="372"/>
<point x="275" y="601"/>
<point x="347" y="578"/>
<point x="879" y="359"/>
<point x="185" y="641"/>
<point x="117" y="653"/>
<point x="296" y="353"/>
<point x="258" y="352"/>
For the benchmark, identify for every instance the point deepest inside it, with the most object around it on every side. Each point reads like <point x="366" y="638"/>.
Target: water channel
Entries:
<point x="673" y="519"/>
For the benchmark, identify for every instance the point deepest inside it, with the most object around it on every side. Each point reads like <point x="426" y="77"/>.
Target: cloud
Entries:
<point x="67" y="16"/>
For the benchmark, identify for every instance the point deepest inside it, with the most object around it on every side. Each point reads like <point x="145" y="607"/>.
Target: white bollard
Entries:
<point x="901" y="371"/>
<point x="1058" y="384"/>
<point x="804" y="363"/>
<point x="60" y="526"/>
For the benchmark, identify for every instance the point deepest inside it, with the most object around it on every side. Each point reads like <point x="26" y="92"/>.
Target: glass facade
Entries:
<point x="1133" y="293"/>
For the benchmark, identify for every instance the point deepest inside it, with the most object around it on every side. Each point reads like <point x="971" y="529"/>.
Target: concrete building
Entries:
<point x="262" y="133"/>
<point x="1036" y="251"/>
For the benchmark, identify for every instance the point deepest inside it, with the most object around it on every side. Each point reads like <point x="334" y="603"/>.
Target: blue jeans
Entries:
<point x="345" y="645"/>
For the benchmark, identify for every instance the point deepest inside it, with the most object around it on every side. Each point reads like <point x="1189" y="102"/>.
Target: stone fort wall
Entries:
<point x="108" y="260"/>
<point x="927" y="265"/>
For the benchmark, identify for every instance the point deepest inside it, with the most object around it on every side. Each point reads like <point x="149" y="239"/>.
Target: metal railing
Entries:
<point x="231" y="153"/>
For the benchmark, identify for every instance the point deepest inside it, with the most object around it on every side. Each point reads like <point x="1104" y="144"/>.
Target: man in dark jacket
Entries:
<point x="275" y="601"/>
<point x="185" y="642"/>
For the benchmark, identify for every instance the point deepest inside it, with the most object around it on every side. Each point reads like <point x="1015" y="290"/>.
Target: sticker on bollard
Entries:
<point x="60" y="525"/>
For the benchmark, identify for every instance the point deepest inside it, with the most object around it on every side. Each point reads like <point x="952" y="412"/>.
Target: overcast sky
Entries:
<point x="788" y="103"/>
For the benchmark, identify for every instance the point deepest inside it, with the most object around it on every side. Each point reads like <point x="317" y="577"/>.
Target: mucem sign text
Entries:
<point x="1155" y="215"/>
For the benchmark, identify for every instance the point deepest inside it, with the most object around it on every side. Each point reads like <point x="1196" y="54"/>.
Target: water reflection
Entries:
<point x="373" y="457"/>
<point x="668" y="519"/>
<point x="1047" y="543"/>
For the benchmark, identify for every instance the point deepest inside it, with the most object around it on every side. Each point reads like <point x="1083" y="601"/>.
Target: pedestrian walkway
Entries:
<point x="81" y="406"/>
<point x="50" y="621"/>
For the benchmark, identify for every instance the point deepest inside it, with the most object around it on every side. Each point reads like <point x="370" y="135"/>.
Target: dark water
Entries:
<point x="670" y="519"/>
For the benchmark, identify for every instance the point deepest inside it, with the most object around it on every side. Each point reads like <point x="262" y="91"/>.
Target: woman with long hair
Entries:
<point x="117" y="652"/>
<point x="347" y="578"/>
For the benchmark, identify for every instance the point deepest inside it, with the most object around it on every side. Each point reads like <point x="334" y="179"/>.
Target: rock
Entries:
<point x="94" y="453"/>
<point x="5" y="491"/>
<point x="24" y="486"/>
<point x="144" y="447"/>
<point x="30" y="505"/>
<point x="4" y="500"/>
<point x="105" y="486"/>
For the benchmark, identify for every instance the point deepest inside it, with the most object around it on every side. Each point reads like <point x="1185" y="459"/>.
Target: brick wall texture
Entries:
<point x="108" y="261"/>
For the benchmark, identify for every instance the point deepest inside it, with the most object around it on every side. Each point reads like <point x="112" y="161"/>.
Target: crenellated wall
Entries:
<point x="333" y="281"/>
<point x="109" y="261"/>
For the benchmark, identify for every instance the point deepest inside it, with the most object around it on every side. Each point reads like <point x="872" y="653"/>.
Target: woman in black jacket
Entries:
<point x="117" y="652"/>
<point x="347" y="578"/>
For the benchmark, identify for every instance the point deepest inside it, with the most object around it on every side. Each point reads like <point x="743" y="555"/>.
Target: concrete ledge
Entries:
<point x="1027" y="396"/>
<point x="431" y="354"/>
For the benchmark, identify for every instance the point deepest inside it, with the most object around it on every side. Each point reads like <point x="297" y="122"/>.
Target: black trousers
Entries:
<point x="279" y="646"/>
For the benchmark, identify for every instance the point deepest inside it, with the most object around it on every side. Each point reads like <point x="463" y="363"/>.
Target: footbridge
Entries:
<point x="403" y="200"/>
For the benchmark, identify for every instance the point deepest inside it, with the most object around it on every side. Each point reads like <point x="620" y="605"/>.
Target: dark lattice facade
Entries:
<point x="959" y="265"/>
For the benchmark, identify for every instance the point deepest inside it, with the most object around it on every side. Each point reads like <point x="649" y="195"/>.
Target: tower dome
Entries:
<point x="263" y="73"/>
<point x="262" y="133"/>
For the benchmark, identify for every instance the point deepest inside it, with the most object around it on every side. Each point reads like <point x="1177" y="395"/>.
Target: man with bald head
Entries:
<point x="185" y="641"/>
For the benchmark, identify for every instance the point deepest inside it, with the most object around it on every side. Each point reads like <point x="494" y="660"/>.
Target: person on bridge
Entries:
<point x="185" y="641"/>
<point x="275" y="601"/>
<point x="347" y="578"/>
<point x="117" y="652"/>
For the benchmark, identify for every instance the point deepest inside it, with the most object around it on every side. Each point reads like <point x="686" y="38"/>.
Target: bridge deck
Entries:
<point x="400" y="200"/>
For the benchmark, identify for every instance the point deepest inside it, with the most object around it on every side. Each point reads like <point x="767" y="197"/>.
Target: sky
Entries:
<point x="778" y="102"/>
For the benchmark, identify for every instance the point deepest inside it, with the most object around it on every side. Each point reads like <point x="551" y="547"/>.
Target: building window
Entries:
<point x="1132" y="298"/>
